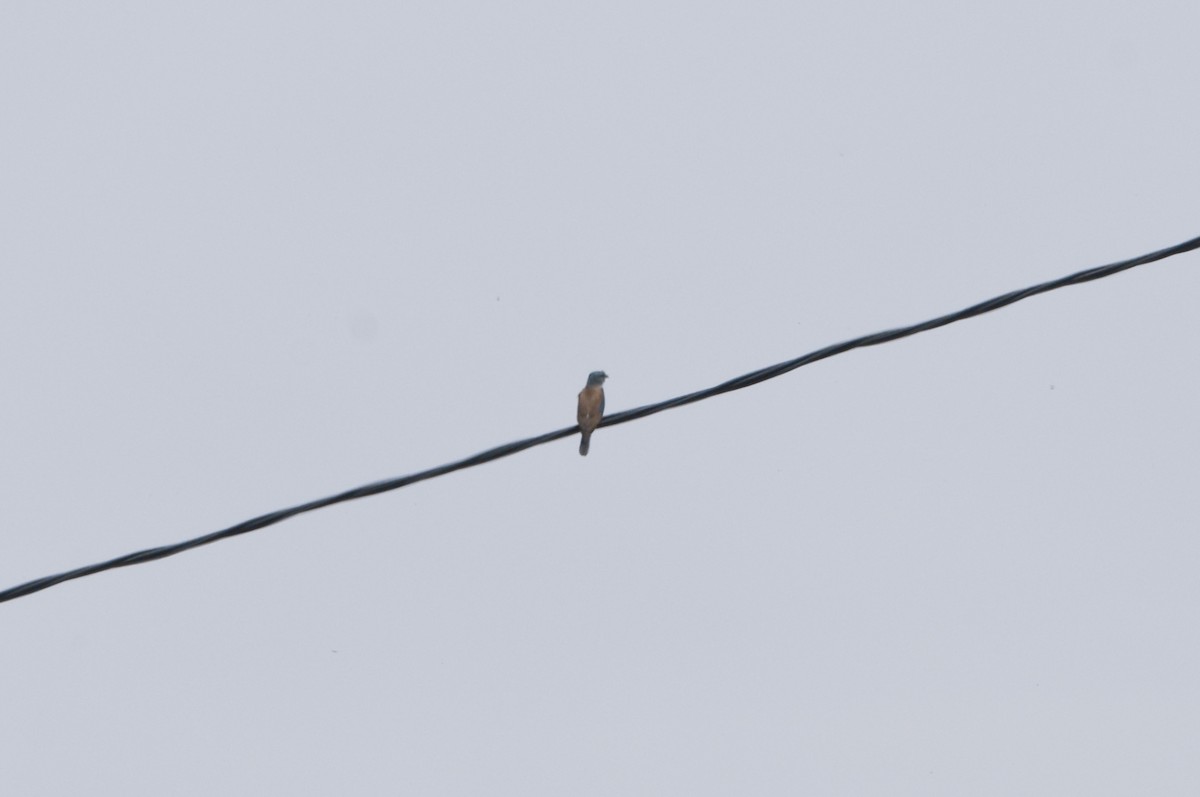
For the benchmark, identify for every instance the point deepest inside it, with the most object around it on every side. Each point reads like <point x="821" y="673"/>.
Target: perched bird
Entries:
<point x="591" y="408"/>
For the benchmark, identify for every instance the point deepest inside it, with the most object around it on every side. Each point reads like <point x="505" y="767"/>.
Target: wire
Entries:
<point x="508" y="449"/>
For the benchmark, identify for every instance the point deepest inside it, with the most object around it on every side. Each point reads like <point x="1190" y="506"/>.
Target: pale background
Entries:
<point x="257" y="253"/>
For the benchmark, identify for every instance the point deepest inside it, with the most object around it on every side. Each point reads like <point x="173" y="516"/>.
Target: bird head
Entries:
<point x="597" y="378"/>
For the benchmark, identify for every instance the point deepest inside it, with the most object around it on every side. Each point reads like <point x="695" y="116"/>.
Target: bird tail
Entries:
<point x="585" y="440"/>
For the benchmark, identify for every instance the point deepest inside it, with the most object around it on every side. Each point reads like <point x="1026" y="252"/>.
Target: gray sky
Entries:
<point x="253" y="254"/>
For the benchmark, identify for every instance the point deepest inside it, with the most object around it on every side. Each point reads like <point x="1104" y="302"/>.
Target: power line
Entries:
<point x="508" y="449"/>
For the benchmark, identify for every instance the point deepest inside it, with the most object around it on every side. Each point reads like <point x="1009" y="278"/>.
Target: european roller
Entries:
<point x="591" y="408"/>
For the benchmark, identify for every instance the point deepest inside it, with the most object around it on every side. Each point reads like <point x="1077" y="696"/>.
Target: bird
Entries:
<point x="591" y="409"/>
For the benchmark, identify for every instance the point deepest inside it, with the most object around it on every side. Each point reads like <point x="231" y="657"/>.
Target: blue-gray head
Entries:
<point x="596" y="378"/>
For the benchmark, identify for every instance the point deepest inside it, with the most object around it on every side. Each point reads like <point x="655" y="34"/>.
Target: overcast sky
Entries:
<point x="252" y="254"/>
